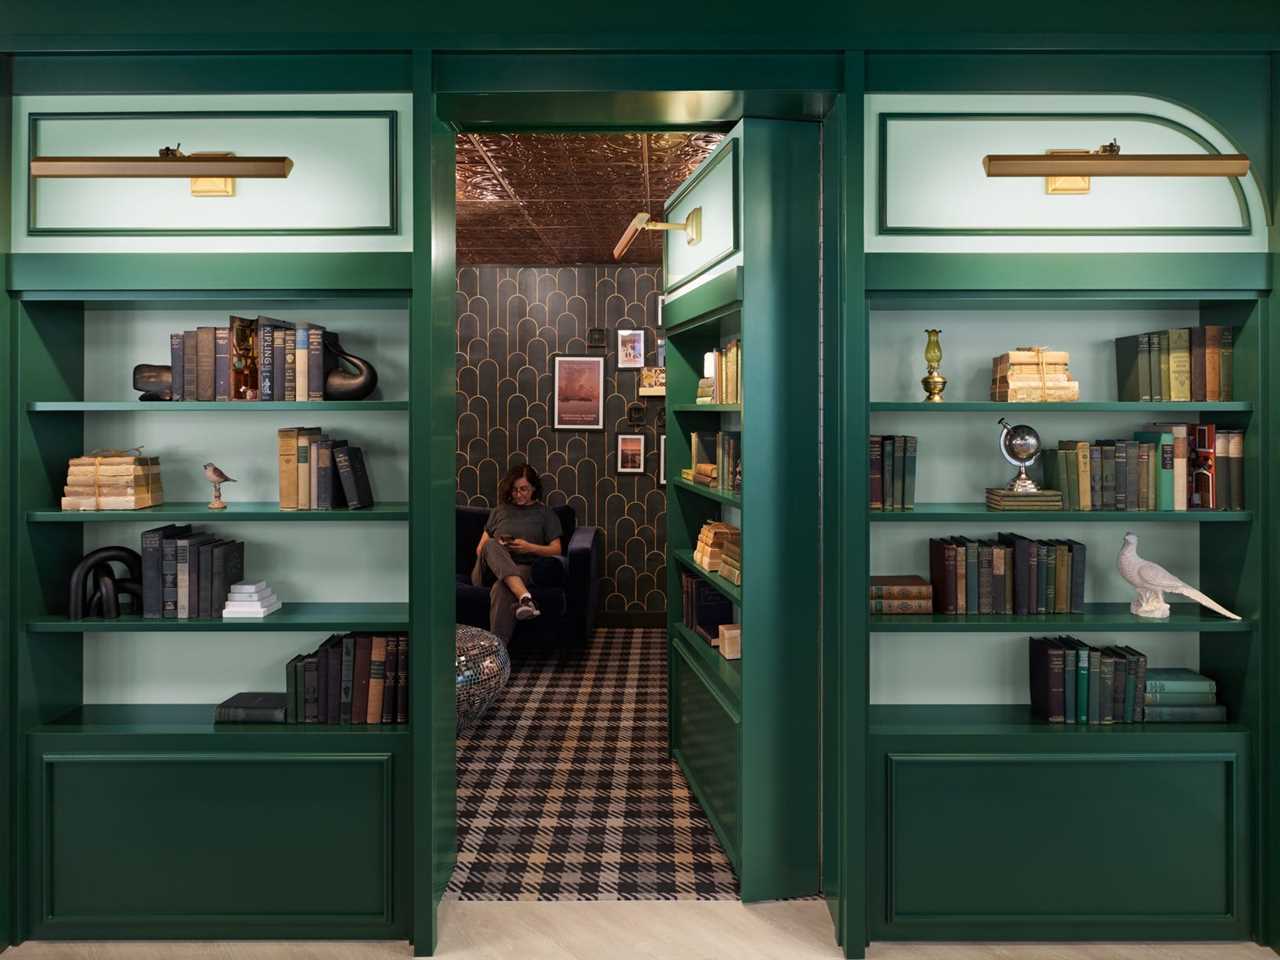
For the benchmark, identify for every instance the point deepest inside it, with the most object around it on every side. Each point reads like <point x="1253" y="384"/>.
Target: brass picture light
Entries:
<point x="1107" y="161"/>
<point x="692" y="228"/>
<point x="169" y="162"/>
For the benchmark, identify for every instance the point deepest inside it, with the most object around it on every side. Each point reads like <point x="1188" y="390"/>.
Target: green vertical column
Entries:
<point x="431" y="484"/>
<point x="7" y="414"/>
<point x="1268" y="520"/>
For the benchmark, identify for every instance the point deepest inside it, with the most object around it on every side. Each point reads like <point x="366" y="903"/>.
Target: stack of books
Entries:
<point x="251" y="708"/>
<point x="1073" y="682"/>
<point x="112" y="481"/>
<point x="250" y="600"/>
<point x="904" y="594"/>
<point x="704" y="609"/>
<point x="354" y="678"/>
<point x="712" y="538"/>
<point x="319" y="472"/>
<point x="893" y="473"/>
<point x="1183" y="364"/>
<point x="258" y="358"/>
<point x="731" y="562"/>
<point x="1033" y="374"/>
<point x="1000" y="498"/>
<point x="1175" y="466"/>
<point x="1008" y="574"/>
<point x="187" y="574"/>
<point x="716" y="460"/>
<point x="721" y="375"/>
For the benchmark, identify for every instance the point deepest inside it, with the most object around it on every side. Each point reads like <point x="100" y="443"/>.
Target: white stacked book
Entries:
<point x="248" y="599"/>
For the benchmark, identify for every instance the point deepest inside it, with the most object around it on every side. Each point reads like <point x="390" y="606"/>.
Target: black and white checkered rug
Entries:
<point x="566" y="791"/>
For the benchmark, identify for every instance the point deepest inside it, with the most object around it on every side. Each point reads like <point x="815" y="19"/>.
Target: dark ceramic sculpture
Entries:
<point x="95" y="590"/>
<point x="154" y="381"/>
<point x="341" y="384"/>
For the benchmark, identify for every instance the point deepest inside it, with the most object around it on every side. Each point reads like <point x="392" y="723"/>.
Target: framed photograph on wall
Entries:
<point x="653" y="382"/>
<point x="579" y="393"/>
<point x="631" y="453"/>
<point x="662" y="460"/>
<point x="630" y="349"/>
<point x="597" y="337"/>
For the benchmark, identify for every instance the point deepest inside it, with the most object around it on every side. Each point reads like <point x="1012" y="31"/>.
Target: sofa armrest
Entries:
<point x="585" y="562"/>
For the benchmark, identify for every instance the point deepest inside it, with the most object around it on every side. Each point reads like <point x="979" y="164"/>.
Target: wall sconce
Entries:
<point x="1068" y="171"/>
<point x="169" y="162"/>
<point x="692" y="228"/>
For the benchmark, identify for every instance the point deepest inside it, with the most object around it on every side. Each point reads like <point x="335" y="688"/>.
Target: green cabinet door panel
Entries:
<point x="712" y="191"/>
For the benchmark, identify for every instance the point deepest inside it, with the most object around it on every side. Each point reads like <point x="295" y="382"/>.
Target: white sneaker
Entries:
<point x="526" y="609"/>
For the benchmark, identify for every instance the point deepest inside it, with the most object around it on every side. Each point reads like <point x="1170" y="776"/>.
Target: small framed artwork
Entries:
<point x="579" y="393"/>
<point x="662" y="460"/>
<point x="631" y="453"/>
<point x="653" y="382"/>
<point x="597" y="337"/>
<point x="630" y="349"/>
<point x="635" y="414"/>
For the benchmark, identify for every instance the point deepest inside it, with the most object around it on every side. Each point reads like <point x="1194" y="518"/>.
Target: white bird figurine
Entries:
<point x="1152" y="581"/>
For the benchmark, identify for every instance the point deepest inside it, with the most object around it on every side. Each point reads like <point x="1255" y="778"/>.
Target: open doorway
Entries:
<point x="566" y="787"/>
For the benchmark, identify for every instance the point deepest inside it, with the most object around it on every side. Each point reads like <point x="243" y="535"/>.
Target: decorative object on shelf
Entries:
<point x="96" y="590"/>
<point x="653" y="382"/>
<point x="1033" y="375"/>
<point x="154" y="381"/>
<point x="635" y="414"/>
<point x="215" y="476"/>
<point x="631" y="453"/>
<point x="578" y="403"/>
<point x="1107" y="161"/>
<point x="113" y="480"/>
<point x="630" y="349"/>
<point x="168" y="162"/>
<point x="597" y="337"/>
<point x="481" y="670"/>
<point x="1020" y="445"/>
<point x="662" y="458"/>
<point x="250" y="600"/>
<point x="730" y="641"/>
<point x="1152" y="581"/>
<point x="692" y="228"/>
<point x="342" y="384"/>
<point x="712" y="538"/>
<point x="933" y="382"/>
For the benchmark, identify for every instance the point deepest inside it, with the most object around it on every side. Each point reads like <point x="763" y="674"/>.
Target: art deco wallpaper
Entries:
<point x="512" y="323"/>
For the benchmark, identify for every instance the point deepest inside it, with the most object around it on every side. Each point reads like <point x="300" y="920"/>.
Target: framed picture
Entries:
<point x="597" y="337"/>
<point x="653" y="382"/>
<point x="579" y="393"/>
<point x="631" y="453"/>
<point x="662" y="459"/>
<point x="630" y="349"/>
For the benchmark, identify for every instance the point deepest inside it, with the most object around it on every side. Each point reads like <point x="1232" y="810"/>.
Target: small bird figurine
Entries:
<point x="1152" y="581"/>
<point x="214" y="474"/>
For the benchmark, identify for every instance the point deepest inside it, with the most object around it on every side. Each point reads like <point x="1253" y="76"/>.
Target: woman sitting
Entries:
<point x="520" y="529"/>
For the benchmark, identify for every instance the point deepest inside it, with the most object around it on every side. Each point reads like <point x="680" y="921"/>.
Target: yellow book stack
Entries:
<point x="112" y="480"/>
<point x="1033" y="375"/>
<point x="712" y="538"/>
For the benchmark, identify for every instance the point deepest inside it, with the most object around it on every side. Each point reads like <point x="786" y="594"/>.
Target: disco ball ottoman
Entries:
<point x="481" y="670"/>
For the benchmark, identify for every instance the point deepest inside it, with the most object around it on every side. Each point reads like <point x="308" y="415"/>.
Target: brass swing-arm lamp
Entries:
<point x="692" y="228"/>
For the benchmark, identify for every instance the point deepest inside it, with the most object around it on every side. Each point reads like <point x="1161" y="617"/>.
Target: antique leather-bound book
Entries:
<point x="909" y="587"/>
<point x="311" y="689"/>
<point x="177" y="351"/>
<point x="1166" y="373"/>
<point x="315" y="362"/>
<point x="228" y="568"/>
<point x="290" y="364"/>
<point x="1213" y="362"/>
<point x="360" y="679"/>
<point x="377" y="678"/>
<point x="1180" y="363"/>
<point x="402" y="681"/>
<point x="347" y="690"/>
<point x="190" y="364"/>
<point x="1198" y="365"/>
<point x="876" y="478"/>
<point x="153" y="571"/>
<point x="332" y="703"/>
<point x="390" y="684"/>
<point x="252" y="708"/>
<point x="287" y="455"/>
<point x="222" y="363"/>
<point x="207" y="343"/>
<point x="354" y="476"/>
<point x="1226" y="371"/>
<point x="942" y="574"/>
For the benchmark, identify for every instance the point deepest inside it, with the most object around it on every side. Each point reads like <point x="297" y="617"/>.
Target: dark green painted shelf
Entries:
<point x="711" y="493"/>
<point x="216" y="406"/>
<point x="1083" y="406"/>
<point x="1016" y="719"/>
<point x="934" y="512"/>
<point x="320" y="617"/>
<point x="190" y="718"/>
<point x="198" y="510"/>
<point x="1098" y="617"/>
<point x="685" y="558"/>
<point x="706" y="408"/>
<point x="726" y="673"/>
<point x="707" y="303"/>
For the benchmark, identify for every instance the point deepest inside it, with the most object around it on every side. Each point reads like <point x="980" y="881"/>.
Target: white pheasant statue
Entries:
<point x="1152" y="581"/>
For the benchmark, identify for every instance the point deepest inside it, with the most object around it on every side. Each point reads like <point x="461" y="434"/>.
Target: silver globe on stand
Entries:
<point x="1020" y="445"/>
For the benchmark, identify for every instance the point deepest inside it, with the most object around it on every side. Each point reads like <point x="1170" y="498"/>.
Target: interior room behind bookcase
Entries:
<point x="958" y="457"/>
<point x="352" y="561"/>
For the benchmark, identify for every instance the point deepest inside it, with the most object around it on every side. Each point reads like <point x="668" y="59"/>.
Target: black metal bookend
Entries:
<point x="94" y="582"/>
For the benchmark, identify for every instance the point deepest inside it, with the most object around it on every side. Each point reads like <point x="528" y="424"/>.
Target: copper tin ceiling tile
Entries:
<point x="564" y="198"/>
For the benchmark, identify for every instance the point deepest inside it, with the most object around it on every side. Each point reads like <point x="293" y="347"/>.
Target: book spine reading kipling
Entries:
<point x="266" y="359"/>
<point x="190" y="365"/>
<point x="315" y="362"/>
<point x="360" y="679"/>
<point x="176" y="353"/>
<point x="876" y="478"/>
<point x="222" y="364"/>
<point x="278" y="329"/>
<point x="377" y="679"/>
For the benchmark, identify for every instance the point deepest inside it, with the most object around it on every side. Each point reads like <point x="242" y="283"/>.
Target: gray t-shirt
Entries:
<point x="536" y="523"/>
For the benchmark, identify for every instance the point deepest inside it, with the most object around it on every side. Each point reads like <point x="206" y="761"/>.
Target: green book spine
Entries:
<point x="909" y="475"/>
<point x="1180" y="699"/>
<point x="1181" y="686"/>
<point x="1095" y="685"/>
<point x="899" y="471"/>
<point x="1082" y="683"/>
<point x="1106" y="684"/>
<point x="1130" y="689"/>
<point x="291" y="693"/>
<point x="1119" y="668"/>
<point x="1128" y="387"/>
<point x="1166" y="382"/>
<point x="1132" y="474"/>
<point x="1226" y="380"/>
<point x="1200" y="714"/>
<point x="1163" y="466"/>
<point x="1066" y="464"/>
<point x="1156" y="359"/>
<point x="1122" y="476"/>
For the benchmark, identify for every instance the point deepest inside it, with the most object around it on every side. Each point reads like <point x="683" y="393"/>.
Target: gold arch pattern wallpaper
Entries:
<point x="512" y="324"/>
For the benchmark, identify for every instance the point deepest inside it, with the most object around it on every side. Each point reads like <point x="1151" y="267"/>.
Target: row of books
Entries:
<point x="893" y="473"/>
<point x="356" y="678"/>
<point x="1009" y="574"/>
<point x="1186" y="363"/>
<point x="715" y="460"/>
<point x="1033" y="374"/>
<point x="259" y="358"/>
<point x="901" y="594"/>
<point x="1175" y="467"/>
<point x="1073" y="682"/>
<point x="721" y="375"/>
<point x="112" y="480"/>
<point x="713" y="538"/>
<point x="319" y="472"/>
<point x="709" y="614"/>
<point x="188" y="574"/>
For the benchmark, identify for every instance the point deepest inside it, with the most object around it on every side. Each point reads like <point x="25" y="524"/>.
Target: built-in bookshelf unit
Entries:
<point x="974" y="803"/>
<point x="744" y="731"/>
<point x="138" y="815"/>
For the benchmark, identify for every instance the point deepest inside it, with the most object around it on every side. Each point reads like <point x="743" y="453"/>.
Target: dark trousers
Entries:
<point x="493" y="566"/>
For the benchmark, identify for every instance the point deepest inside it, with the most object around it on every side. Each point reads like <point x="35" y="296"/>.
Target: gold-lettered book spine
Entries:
<point x="1180" y="364"/>
<point x="287" y="440"/>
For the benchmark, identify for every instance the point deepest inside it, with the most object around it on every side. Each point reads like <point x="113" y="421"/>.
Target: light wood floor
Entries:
<point x="720" y="930"/>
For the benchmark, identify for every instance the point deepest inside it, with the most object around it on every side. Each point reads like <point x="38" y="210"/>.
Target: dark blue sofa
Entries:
<point x="566" y="588"/>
